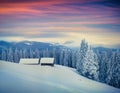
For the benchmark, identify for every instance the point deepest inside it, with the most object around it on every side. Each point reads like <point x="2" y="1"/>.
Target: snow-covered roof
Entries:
<point x="26" y="61"/>
<point x="47" y="60"/>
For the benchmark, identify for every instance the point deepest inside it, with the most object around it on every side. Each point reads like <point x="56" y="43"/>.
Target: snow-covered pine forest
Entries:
<point x="102" y="66"/>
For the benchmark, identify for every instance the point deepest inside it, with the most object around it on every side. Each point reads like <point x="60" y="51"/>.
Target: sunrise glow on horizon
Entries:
<point x="97" y="21"/>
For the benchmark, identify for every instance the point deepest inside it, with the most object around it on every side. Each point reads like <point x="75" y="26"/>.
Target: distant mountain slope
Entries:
<point x="16" y="78"/>
<point x="29" y="44"/>
<point x="4" y="44"/>
<point x="41" y="45"/>
<point x="105" y="49"/>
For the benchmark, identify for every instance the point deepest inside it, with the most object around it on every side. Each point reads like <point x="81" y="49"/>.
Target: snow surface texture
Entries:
<point x="17" y="78"/>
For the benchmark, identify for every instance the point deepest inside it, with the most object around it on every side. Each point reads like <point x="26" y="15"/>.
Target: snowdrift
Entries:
<point x="16" y="78"/>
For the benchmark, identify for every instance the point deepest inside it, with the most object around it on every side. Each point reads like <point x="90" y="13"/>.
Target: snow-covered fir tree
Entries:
<point x="10" y="55"/>
<point x="70" y="58"/>
<point x="25" y="53"/>
<point x="90" y="65"/>
<point x="66" y="58"/>
<point x="21" y="53"/>
<point x="114" y="70"/>
<point x="46" y="53"/>
<point x="109" y="67"/>
<point x="62" y="53"/>
<point x="37" y="53"/>
<point x="103" y="62"/>
<point x="80" y="56"/>
<point x="55" y="55"/>
<point x="4" y="55"/>
<point x="16" y="56"/>
<point x="74" y="58"/>
<point x="31" y="53"/>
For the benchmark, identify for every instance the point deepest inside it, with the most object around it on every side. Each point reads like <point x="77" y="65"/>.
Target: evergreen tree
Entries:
<point x="21" y="53"/>
<point x="3" y="55"/>
<point x="57" y="58"/>
<point x="37" y="53"/>
<point x="69" y="58"/>
<point x="25" y="53"/>
<point x="54" y="55"/>
<point x="10" y="55"/>
<point x="66" y="58"/>
<point x="31" y="53"/>
<point x="114" y="70"/>
<point x="103" y="62"/>
<point x="16" y="56"/>
<point x="80" y="56"/>
<point x="74" y="58"/>
<point x="90" y="65"/>
<point x="46" y="53"/>
<point x="62" y="57"/>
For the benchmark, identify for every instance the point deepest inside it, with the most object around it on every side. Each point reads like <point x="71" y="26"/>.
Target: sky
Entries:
<point x="61" y="21"/>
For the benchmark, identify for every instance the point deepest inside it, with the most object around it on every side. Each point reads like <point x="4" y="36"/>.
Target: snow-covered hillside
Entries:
<point x="16" y="78"/>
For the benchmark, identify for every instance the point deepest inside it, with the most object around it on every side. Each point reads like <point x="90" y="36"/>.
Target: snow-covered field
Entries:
<point x="16" y="78"/>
